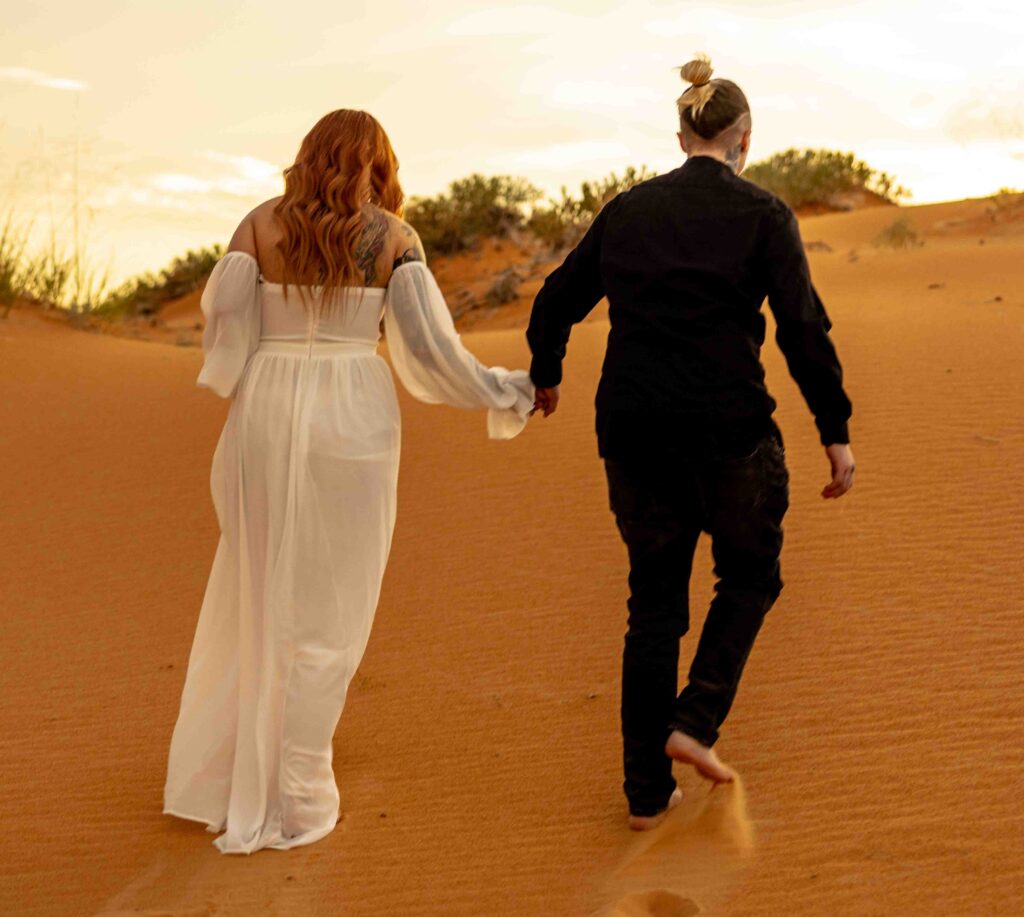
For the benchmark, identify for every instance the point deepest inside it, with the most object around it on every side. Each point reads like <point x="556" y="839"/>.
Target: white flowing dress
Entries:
<point x="304" y="483"/>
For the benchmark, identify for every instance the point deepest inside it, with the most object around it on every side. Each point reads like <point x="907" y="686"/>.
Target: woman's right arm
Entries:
<point x="230" y="305"/>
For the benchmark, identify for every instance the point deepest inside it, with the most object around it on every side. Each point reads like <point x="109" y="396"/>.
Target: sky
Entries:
<point x="181" y="116"/>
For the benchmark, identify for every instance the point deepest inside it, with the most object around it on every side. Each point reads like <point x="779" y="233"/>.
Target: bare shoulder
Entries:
<point x="244" y="237"/>
<point x="406" y="242"/>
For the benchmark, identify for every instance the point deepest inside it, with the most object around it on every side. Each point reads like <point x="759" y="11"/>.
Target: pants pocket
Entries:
<point x="776" y="478"/>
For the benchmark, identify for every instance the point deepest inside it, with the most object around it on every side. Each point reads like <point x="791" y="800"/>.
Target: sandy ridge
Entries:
<point x="877" y="730"/>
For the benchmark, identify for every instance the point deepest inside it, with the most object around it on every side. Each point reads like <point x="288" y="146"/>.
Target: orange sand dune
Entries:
<point x="878" y="730"/>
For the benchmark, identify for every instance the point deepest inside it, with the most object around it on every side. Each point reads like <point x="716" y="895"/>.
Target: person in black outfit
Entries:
<point x="684" y="421"/>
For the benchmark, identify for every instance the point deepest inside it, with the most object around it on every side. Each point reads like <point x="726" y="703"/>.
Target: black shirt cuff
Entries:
<point x="833" y="432"/>
<point x="546" y="372"/>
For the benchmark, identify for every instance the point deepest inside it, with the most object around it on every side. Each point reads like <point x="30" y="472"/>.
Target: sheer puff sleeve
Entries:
<point x="230" y="305"/>
<point x="432" y="363"/>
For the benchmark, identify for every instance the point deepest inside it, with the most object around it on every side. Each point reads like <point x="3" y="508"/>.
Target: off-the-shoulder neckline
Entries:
<point x="316" y="286"/>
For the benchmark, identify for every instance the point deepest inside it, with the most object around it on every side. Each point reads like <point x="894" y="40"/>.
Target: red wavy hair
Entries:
<point x="345" y="162"/>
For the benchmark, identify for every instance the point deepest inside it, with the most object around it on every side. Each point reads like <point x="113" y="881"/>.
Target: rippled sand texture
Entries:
<point x="878" y="730"/>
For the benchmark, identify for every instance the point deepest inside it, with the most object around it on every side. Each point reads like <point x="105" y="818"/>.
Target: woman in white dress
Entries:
<point x="304" y="478"/>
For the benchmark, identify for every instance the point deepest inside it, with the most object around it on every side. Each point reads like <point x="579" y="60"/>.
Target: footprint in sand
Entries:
<point x="698" y="853"/>
<point x="657" y="903"/>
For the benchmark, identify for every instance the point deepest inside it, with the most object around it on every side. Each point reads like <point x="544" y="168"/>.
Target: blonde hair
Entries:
<point x="708" y="107"/>
<point x="344" y="163"/>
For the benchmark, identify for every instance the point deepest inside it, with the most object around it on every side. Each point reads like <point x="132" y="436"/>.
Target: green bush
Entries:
<point x="563" y="222"/>
<point x="803" y="177"/>
<point x="472" y="207"/>
<point x="144" y="294"/>
<point x="480" y="206"/>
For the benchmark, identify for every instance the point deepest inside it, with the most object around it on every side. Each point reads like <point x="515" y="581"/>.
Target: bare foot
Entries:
<point x="687" y="749"/>
<point x="646" y="822"/>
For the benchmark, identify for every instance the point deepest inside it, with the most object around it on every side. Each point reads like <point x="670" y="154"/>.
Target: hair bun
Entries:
<point x="698" y="71"/>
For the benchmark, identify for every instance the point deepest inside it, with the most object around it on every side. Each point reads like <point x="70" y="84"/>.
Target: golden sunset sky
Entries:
<point x="186" y="112"/>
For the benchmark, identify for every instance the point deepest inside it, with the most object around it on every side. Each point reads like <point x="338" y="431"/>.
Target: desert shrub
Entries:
<point x="48" y="276"/>
<point x="803" y="177"/>
<point x="144" y="294"/>
<point x="1006" y="201"/>
<point x="505" y="288"/>
<point x="13" y="279"/>
<point x="52" y="275"/>
<point x="898" y="234"/>
<point x="563" y="222"/>
<point x="471" y="208"/>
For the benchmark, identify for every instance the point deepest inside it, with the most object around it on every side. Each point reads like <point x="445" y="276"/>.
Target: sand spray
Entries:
<point x="692" y="859"/>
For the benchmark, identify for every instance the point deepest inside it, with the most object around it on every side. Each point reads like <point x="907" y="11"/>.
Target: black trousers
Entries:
<point x="661" y="506"/>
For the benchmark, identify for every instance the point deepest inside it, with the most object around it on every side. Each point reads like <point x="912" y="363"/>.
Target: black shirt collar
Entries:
<point x="707" y="164"/>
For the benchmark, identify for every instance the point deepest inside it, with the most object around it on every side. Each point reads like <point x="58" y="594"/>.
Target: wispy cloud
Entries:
<point x="36" y="78"/>
<point x="249" y="172"/>
<point x="239" y="176"/>
<point x="179" y="183"/>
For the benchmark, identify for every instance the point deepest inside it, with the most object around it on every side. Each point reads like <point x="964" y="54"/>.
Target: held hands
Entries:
<point x="840" y="457"/>
<point x="546" y="400"/>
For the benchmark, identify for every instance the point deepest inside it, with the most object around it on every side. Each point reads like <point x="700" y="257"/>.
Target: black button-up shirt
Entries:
<point x="686" y="260"/>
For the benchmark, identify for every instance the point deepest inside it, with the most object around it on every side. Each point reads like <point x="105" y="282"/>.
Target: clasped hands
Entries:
<point x="546" y="400"/>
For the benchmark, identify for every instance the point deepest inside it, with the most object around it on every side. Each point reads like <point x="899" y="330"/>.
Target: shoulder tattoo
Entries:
<point x="414" y="250"/>
<point x="371" y="243"/>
